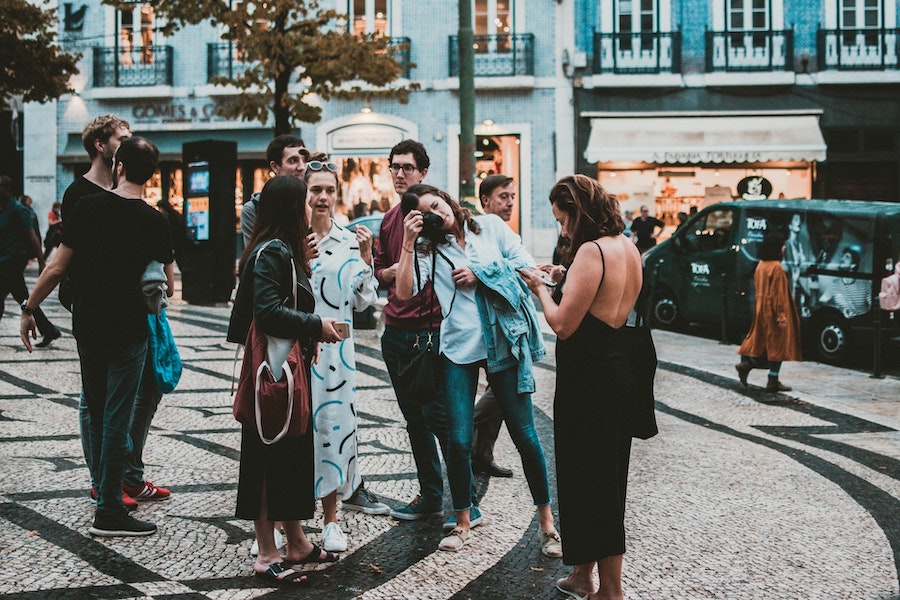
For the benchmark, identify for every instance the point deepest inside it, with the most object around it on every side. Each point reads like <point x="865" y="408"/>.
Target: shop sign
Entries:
<point x="696" y="157"/>
<point x="365" y="137"/>
<point x="160" y="113"/>
<point x="755" y="187"/>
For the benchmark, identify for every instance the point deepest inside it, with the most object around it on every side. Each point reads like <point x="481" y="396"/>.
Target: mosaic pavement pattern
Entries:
<point x="742" y="495"/>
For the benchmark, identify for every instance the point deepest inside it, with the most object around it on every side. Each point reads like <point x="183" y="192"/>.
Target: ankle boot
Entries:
<point x="776" y="386"/>
<point x="743" y="368"/>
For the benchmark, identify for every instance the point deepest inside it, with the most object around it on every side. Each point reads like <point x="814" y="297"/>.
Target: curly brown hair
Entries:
<point x="593" y="212"/>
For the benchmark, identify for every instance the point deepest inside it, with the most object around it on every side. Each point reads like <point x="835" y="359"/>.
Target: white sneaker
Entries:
<point x="279" y="543"/>
<point x="333" y="539"/>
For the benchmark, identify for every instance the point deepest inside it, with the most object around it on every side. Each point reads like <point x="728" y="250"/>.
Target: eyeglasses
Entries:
<point x="407" y="169"/>
<point x="316" y="165"/>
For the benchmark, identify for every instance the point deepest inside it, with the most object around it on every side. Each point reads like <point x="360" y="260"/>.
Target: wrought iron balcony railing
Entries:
<point x="637" y="53"/>
<point x="226" y="59"/>
<point x="859" y="49"/>
<point x="501" y="55"/>
<point x="400" y="48"/>
<point x="749" y="50"/>
<point x="129" y="67"/>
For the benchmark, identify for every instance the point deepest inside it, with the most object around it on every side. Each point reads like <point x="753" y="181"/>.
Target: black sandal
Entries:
<point x="271" y="575"/>
<point x="315" y="556"/>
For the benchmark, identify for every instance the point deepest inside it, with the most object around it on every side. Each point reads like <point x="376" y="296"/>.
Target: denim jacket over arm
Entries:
<point x="511" y="329"/>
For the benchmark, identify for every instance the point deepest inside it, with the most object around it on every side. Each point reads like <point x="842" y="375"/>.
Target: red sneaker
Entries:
<point x="129" y="502"/>
<point x="146" y="492"/>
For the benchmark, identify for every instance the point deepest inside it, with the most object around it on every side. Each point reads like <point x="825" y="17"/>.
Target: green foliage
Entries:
<point x="287" y="42"/>
<point x="32" y="65"/>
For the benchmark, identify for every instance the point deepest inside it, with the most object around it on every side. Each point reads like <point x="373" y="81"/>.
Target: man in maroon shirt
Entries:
<point x="406" y="321"/>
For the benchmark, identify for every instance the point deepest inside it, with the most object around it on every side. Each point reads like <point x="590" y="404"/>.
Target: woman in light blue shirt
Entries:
<point x="473" y="262"/>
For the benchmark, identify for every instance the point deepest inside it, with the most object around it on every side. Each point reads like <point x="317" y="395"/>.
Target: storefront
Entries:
<point x="678" y="162"/>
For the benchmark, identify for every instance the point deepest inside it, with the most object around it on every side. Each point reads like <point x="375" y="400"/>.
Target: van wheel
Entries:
<point x="831" y="338"/>
<point x="666" y="312"/>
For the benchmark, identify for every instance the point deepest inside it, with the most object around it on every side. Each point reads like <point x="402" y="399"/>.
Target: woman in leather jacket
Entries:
<point x="276" y="481"/>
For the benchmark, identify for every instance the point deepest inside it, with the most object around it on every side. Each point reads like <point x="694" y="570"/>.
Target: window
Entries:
<point x="369" y="16"/>
<point x="637" y="17"/>
<point x="493" y="25"/>
<point x="136" y="35"/>
<point x="857" y="15"/>
<point x="746" y="17"/>
<point x="713" y="232"/>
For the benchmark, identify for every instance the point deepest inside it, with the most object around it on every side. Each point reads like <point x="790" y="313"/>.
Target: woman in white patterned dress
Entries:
<point x="343" y="281"/>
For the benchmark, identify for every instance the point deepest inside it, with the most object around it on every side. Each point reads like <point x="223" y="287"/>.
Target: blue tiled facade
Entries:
<point x="182" y="108"/>
<point x="838" y="61"/>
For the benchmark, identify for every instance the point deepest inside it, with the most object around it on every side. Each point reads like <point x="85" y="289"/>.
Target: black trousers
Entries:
<point x="12" y="281"/>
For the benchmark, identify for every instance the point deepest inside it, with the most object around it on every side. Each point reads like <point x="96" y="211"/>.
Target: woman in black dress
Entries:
<point x="276" y="481"/>
<point x="602" y="279"/>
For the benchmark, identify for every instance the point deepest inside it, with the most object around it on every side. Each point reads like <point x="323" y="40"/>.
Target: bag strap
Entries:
<point x="293" y="268"/>
<point x="290" y="403"/>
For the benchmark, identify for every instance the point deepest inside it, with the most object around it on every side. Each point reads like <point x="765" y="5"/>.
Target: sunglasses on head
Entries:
<point x="317" y="165"/>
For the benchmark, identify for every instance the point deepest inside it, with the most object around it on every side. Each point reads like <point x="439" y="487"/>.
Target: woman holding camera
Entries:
<point x="343" y="281"/>
<point x="473" y="262"/>
<point x="276" y="480"/>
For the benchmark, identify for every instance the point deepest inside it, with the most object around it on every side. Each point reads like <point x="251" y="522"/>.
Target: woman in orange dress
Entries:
<point x="774" y="336"/>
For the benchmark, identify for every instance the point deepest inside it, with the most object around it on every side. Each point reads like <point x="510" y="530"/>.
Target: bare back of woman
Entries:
<point x="620" y="278"/>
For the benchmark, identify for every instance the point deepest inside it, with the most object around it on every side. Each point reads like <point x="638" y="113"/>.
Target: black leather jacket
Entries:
<point x="264" y="293"/>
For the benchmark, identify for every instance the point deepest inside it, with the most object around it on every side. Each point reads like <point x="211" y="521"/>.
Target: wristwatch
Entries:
<point x="25" y="309"/>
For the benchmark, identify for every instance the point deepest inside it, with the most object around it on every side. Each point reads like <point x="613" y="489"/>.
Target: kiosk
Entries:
<point x="209" y="168"/>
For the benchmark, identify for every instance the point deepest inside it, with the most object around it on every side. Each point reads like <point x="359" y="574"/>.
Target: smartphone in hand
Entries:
<point x="343" y="329"/>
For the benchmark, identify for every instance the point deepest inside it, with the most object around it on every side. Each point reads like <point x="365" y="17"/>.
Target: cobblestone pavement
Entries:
<point x="743" y="495"/>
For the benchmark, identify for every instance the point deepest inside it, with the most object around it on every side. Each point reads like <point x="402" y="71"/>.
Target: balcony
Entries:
<point x="141" y="66"/>
<point x="637" y="53"/>
<point x="224" y="59"/>
<point x="749" y="50"/>
<point x="501" y="55"/>
<point x="858" y="49"/>
<point x="400" y="48"/>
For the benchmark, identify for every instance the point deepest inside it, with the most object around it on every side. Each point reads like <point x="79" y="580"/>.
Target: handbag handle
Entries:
<point x="290" y="403"/>
<point x="293" y="268"/>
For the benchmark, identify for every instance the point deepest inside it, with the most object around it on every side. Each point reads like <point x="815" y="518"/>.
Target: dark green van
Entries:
<point x="836" y="254"/>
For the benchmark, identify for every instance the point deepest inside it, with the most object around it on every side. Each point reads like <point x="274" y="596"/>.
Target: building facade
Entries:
<point x="681" y="103"/>
<point x="161" y="86"/>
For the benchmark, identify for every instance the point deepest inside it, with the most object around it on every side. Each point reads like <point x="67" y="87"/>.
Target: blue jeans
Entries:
<point x="110" y="377"/>
<point x="461" y="384"/>
<point x="145" y="407"/>
<point x="425" y="422"/>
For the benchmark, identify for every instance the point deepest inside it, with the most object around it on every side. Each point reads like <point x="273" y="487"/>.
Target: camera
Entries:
<point x="431" y="224"/>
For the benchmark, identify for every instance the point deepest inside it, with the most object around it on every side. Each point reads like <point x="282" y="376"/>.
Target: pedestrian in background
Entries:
<point x="774" y="336"/>
<point x="498" y="197"/>
<point x="595" y="380"/>
<point x="19" y="243"/>
<point x="276" y="481"/>
<point x="644" y="230"/>
<point x="343" y="282"/>
<point x="54" y="229"/>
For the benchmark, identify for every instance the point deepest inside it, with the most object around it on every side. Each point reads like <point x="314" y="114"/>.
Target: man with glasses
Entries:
<point x="287" y="155"/>
<point x="406" y="321"/>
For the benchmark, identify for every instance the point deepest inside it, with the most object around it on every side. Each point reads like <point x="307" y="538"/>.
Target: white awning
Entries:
<point x="706" y="139"/>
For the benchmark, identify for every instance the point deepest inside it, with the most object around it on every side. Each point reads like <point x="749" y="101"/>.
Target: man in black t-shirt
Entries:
<point x="643" y="230"/>
<point x="108" y="241"/>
